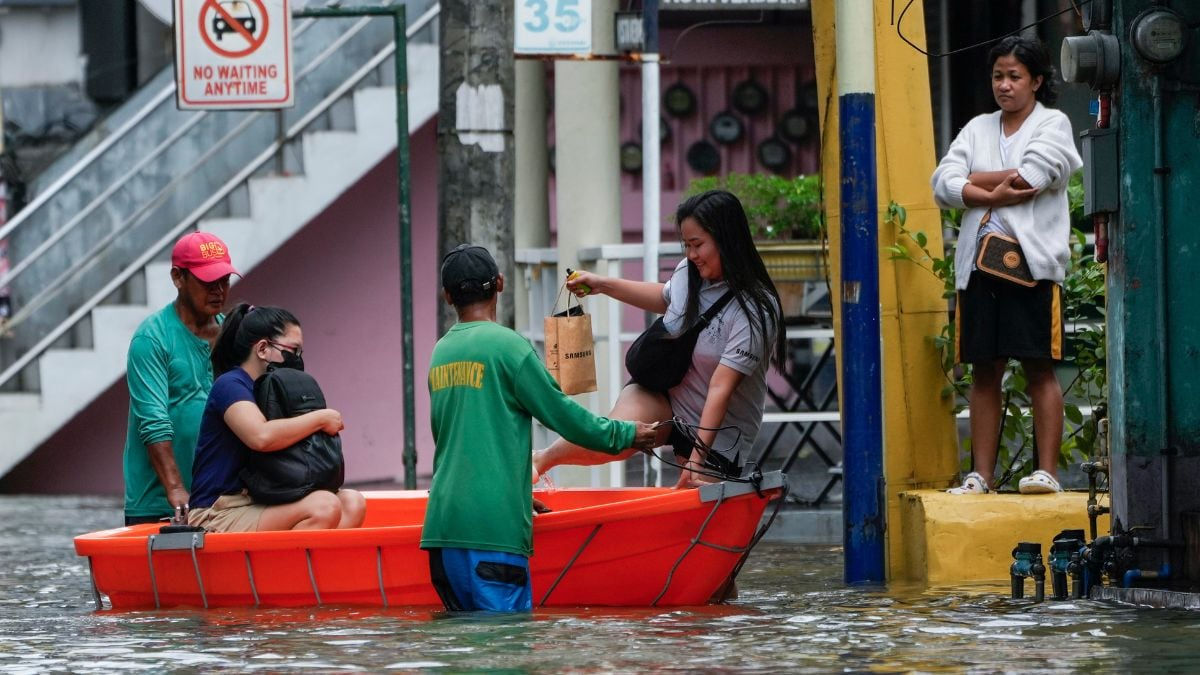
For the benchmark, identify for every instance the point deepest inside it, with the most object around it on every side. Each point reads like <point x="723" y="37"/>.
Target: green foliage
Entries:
<point x="1083" y="295"/>
<point x="777" y="207"/>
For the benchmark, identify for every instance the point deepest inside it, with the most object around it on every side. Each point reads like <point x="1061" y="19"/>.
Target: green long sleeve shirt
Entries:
<point x="169" y="373"/>
<point x="486" y="384"/>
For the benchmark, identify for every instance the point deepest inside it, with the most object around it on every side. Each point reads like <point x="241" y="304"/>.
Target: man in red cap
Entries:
<point x="169" y="374"/>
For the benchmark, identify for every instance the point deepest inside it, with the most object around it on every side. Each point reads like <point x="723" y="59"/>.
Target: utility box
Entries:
<point x="1101" y="175"/>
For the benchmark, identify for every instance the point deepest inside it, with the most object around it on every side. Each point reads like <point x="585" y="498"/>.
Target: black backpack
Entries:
<point x="314" y="463"/>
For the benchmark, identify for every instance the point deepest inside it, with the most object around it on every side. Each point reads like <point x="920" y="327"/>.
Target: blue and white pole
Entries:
<point x="863" y="501"/>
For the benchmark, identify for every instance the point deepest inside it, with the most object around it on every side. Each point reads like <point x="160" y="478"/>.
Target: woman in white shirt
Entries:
<point x="1009" y="170"/>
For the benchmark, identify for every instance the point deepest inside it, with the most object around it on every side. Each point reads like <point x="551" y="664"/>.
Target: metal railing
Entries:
<point x="172" y="234"/>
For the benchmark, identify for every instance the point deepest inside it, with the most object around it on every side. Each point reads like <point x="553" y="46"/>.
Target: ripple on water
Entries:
<point x="793" y="614"/>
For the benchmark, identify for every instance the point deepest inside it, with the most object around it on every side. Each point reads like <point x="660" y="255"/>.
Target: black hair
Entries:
<point x="720" y="214"/>
<point x="1032" y="54"/>
<point x="243" y="327"/>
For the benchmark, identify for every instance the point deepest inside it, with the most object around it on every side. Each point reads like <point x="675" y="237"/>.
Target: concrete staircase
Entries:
<point x="278" y="208"/>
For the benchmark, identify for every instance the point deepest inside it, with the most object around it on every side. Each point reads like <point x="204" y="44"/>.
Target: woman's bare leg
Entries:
<point x="354" y="508"/>
<point x="320" y="510"/>
<point x="985" y="409"/>
<point x="634" y="403"/>
<point x="1045" y="393"/>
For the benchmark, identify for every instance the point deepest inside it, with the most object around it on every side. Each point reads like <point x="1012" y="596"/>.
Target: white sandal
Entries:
<point x="1038" y="483"/>
<point x="973" y="484"/>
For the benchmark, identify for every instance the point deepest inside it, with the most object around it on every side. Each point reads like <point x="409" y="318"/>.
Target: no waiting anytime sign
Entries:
<point x="233" y="54"/>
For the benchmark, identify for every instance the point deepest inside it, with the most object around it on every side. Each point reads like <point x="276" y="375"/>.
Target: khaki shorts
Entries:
<point x="230" y="513"/>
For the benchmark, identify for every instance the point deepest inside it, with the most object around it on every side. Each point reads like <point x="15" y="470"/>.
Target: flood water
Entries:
<point x="793" y="614"/>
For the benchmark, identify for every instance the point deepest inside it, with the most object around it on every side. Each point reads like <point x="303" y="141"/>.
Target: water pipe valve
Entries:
<point x="1027" y="562"/>
<point x="1066" y="547"/>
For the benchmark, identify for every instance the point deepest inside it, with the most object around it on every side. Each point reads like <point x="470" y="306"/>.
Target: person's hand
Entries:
<point x="540" y="507"/>
<point x="582" y="283"/>
<point x="646" y="436"/>
<point x="178" y="497"/>
<point x="1007" y="193"/>
<point x="690" y="479"/>
<point x="331" y="421"/>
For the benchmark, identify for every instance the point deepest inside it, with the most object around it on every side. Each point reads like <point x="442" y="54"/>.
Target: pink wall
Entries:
<point x="340" y="276"/>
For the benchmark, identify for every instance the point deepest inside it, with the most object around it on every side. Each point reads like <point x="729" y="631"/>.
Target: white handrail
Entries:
<point x="66" y="229"/>
<point x="199" y="212"/>
<point x="100" y="149"/>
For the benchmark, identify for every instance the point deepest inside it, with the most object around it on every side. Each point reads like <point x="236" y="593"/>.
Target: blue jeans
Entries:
<point x="472" y="580"/>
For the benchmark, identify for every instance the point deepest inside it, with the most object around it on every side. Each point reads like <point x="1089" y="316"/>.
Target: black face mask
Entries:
<point x="290" y="360"/>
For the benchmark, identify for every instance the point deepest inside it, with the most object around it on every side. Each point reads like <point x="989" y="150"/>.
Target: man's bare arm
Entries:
<point x="162" y="458"/>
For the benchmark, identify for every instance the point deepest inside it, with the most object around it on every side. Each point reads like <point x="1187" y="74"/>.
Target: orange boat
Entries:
<point x="617" y="547"/>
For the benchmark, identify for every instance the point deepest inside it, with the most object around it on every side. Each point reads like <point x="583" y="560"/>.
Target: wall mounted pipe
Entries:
<point x="1163" y="572"/>
<point x="1160" y="201"/>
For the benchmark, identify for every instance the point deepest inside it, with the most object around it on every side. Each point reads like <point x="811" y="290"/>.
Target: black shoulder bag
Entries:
<point x="658" y="360"/>
<point x="314" y="463"/>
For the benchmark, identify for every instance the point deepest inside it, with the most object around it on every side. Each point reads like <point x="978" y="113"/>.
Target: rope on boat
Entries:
<point x="762" y="530"/>
<point x="695" y="540"/>
<point x="689" y="431"/>
<point x="312" y="577"/>
<point x="95" y="589"/>
<point x="571" y="562"/>
<point x="250" y="575"/>
<point x="150" y="560"/>
<point x="379" y="573"/>
<point x="722" y="593"/>
<point x="174" y="541"/>
<point x="199" y="579"/>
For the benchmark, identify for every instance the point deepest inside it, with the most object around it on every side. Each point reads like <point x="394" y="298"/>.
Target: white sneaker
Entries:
<point x="973" y="484"/>
<point x="1038" y="483"/>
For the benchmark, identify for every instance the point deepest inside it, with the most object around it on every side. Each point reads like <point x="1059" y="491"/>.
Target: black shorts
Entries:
<point x="997" y="319"/>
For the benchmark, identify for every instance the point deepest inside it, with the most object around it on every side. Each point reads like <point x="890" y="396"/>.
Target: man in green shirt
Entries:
<point x="486" y="384"/>
<point x="169" y="374"/>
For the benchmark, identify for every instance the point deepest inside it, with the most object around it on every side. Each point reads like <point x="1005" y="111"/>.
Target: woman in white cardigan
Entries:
<point x="1009" y="170"/>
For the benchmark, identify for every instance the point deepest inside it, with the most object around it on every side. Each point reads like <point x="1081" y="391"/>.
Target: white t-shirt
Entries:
<point x="727" y="340"/>
<point x="995" y="223"/>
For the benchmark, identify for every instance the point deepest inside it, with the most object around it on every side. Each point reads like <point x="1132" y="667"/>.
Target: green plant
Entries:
<point x="777" y="207"/>
<point x="1083" y="294"/>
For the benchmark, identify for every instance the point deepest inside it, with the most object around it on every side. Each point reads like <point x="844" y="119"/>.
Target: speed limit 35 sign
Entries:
<point x="553" y="27"/>
<point x="233" y="54"/>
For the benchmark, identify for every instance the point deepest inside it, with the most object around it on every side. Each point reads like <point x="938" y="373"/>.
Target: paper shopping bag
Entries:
<point x="570" y="354"/>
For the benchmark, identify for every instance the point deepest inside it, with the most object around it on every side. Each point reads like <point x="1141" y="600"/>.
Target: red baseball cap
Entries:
<point x="204" y="255"/>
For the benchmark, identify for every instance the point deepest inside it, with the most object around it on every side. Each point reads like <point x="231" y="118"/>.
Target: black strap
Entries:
<point x="716" y="307"/>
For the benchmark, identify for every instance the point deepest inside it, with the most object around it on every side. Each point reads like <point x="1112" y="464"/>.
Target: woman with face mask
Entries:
<point x="1008" y="170"/>
<point x="251" y="340"/>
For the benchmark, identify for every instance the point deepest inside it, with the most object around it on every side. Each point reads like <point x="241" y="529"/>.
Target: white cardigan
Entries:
<point x="1047" y="158"/>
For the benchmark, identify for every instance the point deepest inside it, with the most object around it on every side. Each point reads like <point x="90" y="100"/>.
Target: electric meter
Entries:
<point x="1159" y="35"/>
<point x="1094" y="59"/>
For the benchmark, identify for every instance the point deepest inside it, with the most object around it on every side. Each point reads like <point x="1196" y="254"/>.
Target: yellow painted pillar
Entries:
<point x="920" y="443"/>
